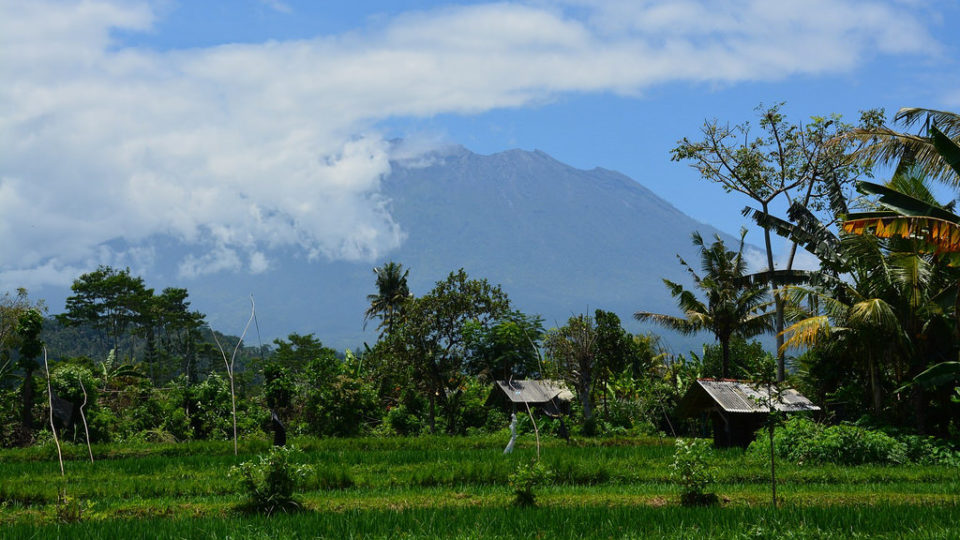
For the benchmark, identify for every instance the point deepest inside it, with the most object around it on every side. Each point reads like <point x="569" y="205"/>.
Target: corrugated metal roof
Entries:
<point x="531" y="391"/>
<point x="745" y="397"/>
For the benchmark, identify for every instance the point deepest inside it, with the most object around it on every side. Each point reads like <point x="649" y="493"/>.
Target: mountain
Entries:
<point x="560" y="240"/>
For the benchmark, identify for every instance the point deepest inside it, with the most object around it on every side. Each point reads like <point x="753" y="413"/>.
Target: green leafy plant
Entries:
<point x="803" y="441"/>
<point x="70" y="509"/>
<point x="271" y="480"/>
<point x="526" y="479"/>
<point x="691" y="469"/>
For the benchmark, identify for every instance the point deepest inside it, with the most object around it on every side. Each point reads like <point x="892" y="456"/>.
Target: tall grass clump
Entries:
<point x="271" y="480"/>
<point x="691" y="469"/>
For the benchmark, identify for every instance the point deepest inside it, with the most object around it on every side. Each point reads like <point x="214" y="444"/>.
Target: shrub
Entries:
<point x="271" y="480"/>
<point x="70" y="509"/>
<point x="402" y="421"/>
<point x="525" y="480"/>
<point x="342" y="407"/>
<point x="690" y="468"/>
<point x="930" y="451"/>
<point x="801" y="440"/>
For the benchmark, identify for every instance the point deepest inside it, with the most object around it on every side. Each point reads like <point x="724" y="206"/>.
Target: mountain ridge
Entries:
<point x="560" y="240"/>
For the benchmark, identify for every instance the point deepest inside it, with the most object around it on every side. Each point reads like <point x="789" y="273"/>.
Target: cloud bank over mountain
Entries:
<point x="240" y="150"/>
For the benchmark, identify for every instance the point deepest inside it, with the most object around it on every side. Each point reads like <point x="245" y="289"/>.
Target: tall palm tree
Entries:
<point x="735" y="306"/>
<point x="853" y="313"/>
<point x="392" y="294"/>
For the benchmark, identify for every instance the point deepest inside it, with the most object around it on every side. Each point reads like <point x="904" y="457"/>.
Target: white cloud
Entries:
<point x="240" y="149"/>
<point x="802" y="260"/>
<point x="277" y="5"/>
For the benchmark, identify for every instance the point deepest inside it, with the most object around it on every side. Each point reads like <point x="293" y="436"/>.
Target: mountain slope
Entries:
<point x="560" y="240"/>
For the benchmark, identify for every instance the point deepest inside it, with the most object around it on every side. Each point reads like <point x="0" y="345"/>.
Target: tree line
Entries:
<point x="872" y="335"/>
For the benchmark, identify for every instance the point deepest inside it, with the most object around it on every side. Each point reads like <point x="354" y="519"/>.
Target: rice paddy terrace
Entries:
<point x="458" y="487"/>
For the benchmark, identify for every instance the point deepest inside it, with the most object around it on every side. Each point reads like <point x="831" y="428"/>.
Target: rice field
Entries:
<point x="458" y="487"/>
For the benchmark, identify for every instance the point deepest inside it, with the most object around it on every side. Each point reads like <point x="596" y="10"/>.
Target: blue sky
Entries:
<point x="240" y="128"/>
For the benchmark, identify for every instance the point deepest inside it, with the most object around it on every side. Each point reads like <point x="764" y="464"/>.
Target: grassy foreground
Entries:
<point x="457" y="487"/>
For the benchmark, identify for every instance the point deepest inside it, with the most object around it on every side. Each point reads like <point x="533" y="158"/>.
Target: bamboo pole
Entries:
<point x="230" y="365"/>
<point x="86" y="430"/>
<point x="53" y="429"/>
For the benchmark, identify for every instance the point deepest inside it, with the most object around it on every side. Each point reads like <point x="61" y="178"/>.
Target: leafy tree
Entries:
<point x="746" y="358"/>
<point x="342" y="406"/>
<point x="432" y="341"/>
<point x="172" y="328"/>
<point x="298" y="352"/>
<point x="392" y="295"/>
<point x="29" y="326"/>
<point x="21" y="322"/>
<point x="907" y="210"/>
<point x="734" y="305"/>
<point x="622" y="356"/>
<point x="11" y="308"/>
<point x="278" y="386"/>
<point x="110" y="300"/>
<point x="509" y="348"/>
<point x="573" y="348"/>
<point x="786" y="161"/>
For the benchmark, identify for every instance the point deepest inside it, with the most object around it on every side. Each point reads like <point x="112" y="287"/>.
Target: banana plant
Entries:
<point x="903" y="216"/>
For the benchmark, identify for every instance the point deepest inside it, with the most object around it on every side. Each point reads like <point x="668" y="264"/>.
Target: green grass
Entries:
<point x="432" y="486"/>
<point x="879" y="521"/>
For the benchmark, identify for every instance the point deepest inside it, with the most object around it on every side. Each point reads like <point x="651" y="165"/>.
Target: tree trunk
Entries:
<point x="874" y="385"/>
<point x="433" y="412"/>
<point x="26" y="395"/>
<point x="725" y="358"/>
<point x="919" y="409"/>
<point x="585" y="401"/>
<point x="781" y="371"/>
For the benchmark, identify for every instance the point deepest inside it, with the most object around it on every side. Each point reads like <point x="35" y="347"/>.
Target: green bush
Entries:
<point x="803" y="441"/>
<point x="343" y="407"/>
<point x="402" y="421"/>
<point x="930" y="451"/>
<point x="691" y="469"/>
<point x="525" y="480"/>
<point x="271" y="480"/>
<point x="210" y="413"/>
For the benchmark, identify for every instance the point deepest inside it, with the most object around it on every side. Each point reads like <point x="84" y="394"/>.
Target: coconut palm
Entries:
<point x="392" y="294"/>
<point x="734" y="306"/>
<point x="851" y="314"/>
<point x="885" y="145"/>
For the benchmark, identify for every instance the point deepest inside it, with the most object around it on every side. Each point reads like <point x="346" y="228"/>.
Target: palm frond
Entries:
<point x="943" y="235"/>
<point x="874" y="313"/>
<point x="911" y="117"/>
<point x="679" y="324"/>
<point x="807" y="332"/>
<point x="948" y="149"/>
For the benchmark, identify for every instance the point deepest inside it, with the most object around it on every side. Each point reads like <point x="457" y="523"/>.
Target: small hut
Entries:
<point x="737" y="409"/>
<point x="549" y="396"/>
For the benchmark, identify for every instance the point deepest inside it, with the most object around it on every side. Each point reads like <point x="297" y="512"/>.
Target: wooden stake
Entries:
<point x="50" y="398"/>
<point x="229" y="364"/>
<point x="83" y="417"/>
